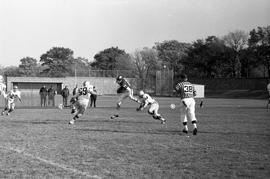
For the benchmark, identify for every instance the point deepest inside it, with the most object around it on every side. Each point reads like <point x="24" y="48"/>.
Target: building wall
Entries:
<point x="104" y="85"/>
<point x="31" y="97"/>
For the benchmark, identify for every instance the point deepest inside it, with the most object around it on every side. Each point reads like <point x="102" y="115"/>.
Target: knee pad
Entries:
<point x="184" y="123"/>
<point x="194" y="122"/>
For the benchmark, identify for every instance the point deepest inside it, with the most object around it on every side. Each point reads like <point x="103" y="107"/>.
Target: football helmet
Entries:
<point x="141" y="93"/>
<point x="86" y="83"/>
<point x="119" y="78"/>
<point x="15" y="87"/>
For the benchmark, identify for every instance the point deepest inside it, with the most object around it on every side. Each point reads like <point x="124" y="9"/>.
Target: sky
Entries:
<point x="29" y="28"/>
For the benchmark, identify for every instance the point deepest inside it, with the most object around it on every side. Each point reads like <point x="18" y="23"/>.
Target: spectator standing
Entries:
<point x="65" y="94"/>
<point x="93" y="97"/>
<point x="51" y="96"/>
<point x="43" y="96"/>
<point x="75" y="90"/>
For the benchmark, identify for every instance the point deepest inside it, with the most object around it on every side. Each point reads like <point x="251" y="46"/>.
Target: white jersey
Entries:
<point x="148" y="99"/>
<point x="2" y="88"/>
<point x="85" y="92"/>
<point x="12" y="95"/>
<point x="268" y="87"/>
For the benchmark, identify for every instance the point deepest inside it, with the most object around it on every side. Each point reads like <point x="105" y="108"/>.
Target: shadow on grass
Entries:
<point x="114" y="121"/>
<point x="132" y="132"/>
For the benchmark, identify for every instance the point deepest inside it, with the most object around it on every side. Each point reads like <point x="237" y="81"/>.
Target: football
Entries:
<point x="172" y="106"/>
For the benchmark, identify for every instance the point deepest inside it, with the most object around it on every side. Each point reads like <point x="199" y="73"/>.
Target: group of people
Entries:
<point x="81" y="97"/>
<point x="185" y="89"/>
<point x="47" y="96"/>
<point x="44" y="92"/>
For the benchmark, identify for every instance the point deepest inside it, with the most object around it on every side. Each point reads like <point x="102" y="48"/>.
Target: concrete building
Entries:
<point x="30" y="86"/>
<point x="104" y="85"/>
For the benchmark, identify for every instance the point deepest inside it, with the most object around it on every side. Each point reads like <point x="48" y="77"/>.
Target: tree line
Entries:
<point x="235" y="55"/>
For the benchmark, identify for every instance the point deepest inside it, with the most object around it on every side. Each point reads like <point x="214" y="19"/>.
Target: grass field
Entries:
<point x="233" y="142"/>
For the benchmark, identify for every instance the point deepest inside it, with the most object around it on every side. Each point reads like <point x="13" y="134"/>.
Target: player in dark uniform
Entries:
<point x="125" y="91"/>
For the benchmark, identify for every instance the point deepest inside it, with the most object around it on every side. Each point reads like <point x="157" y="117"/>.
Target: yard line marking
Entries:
<point x="64" y="167"/>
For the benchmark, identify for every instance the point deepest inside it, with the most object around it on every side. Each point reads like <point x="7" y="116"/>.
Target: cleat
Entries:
<point x="163" y="121"/>
<point x="71" y="121"/>
<point x="185" y="131"/>
<point x="73" y="111"/>
<point x="2" y="113"/>
<point x="195" y="131"/>
<point x="8" y="114"/>
<point x="114" y="116"/>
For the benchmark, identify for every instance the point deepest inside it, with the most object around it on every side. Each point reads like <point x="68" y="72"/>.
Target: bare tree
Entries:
<point x="237" y="41"/>
<point x="144" y="61"/>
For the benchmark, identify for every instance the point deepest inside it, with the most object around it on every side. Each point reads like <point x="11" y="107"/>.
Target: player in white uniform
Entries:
<point x="10" y="98"/>
<point x="80" y="101"/>
<point x="2" y="86"/>
<point x="147" y="100"/>
<point x="187" y="106"/>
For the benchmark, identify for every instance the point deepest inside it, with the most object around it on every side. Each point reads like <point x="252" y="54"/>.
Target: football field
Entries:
<point x="233" y="141"/>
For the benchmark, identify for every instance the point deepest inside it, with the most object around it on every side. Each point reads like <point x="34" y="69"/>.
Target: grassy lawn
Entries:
<point x="233" y="141"/>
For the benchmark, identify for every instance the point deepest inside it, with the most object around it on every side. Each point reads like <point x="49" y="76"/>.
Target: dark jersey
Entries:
<point x="124" y="84"/>
<point x="186" y="90"/>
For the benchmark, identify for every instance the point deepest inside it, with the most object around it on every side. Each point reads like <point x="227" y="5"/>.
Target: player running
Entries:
<point x="146" y="100"/>
<point x="10" y="98"/>
<point x="2" y="86"/>
<point x="187" y="106"/>
<point x="80" y="101"/>
<point x="125" y="91"/>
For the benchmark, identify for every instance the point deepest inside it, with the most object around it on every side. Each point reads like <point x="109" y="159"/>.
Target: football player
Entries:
<point x="187" y="106"/>
<point x="147" y="100"/>
<point x="80" y="101"/>
<point x="10" y="98"/>
<point x="125" y="91"/>
<point x="2" y="86"/>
